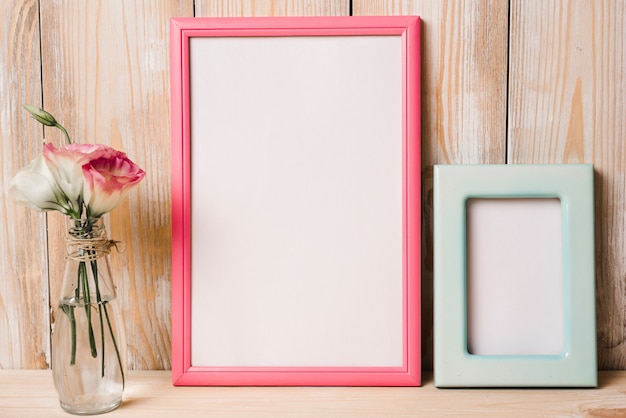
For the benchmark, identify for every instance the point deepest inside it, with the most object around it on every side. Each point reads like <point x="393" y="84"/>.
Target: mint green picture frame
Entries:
<point x="454" y="365"/>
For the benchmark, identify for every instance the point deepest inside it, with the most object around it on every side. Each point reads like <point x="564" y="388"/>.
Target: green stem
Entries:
<point x="102" y="332"/>
<point x="82" y="271"/>
<point x="94" y="271"/>
<point x="67" y="136"/>
<point x="117" y="351"/>
<point x="102" y="307"/>
<point x="72" y="317"/>
<point x="69" y="311"/>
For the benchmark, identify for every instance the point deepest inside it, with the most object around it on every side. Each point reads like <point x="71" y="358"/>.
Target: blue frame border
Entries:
<point x="454" y="366"/>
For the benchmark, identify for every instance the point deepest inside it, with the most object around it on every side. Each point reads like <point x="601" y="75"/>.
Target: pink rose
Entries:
<point x="108" y="176"/>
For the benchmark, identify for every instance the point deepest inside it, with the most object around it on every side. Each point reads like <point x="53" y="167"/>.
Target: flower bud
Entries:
<point x="41" y="115"/>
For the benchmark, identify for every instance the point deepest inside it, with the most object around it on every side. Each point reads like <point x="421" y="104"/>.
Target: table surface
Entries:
<point x="31" y="393"/>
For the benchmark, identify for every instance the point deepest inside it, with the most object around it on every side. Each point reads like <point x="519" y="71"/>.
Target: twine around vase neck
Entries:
<point x="89" y="245"/>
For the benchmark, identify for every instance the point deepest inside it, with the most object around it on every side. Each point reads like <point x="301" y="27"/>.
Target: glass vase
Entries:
<point x="88" y="342"/>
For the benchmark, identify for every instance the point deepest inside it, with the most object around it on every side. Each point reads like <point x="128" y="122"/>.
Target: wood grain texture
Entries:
<point x="24" y="313"/>
<point x="31" y="394"/>
<point x="464" y="76"/>
<point x="567" y="90"/>
<point x="240" y="8"/>
<point x="106" y="79"/>
<point x="103" y="71"/>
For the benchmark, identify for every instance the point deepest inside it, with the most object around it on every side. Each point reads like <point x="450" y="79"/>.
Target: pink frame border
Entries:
<point x="183" y="373"/>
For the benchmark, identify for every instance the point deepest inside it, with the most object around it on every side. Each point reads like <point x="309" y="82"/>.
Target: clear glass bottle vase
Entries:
<point x="88" y="342"/>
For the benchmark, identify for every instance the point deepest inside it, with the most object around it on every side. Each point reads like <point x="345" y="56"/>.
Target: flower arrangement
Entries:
<point x="83" y="182"/>
<point x="78" y="180"/>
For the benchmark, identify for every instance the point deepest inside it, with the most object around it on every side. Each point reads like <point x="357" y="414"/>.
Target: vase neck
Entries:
<point x="87" y="239"/>
<point x="85" y="228"/>
<point x="87" y="277"/>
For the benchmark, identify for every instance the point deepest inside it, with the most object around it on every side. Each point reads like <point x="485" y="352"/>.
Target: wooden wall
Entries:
<point x="504" y="81"/>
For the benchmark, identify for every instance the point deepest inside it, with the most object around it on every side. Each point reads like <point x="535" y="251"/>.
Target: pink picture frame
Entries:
<point x="295" y="201"/>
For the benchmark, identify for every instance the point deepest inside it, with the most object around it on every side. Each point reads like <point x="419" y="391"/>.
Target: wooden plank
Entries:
<point x="567" y="88"/>
<point x="24" y="305"/>
<point x="238" y="8"/>
<point x="464" y="70"/>
<point x="30" y="393"/>
<point x="106" y="79"/>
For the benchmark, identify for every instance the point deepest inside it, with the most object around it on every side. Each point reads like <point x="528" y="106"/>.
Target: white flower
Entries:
<point x="34" y="186"/>
<point x="65" y="165"/>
